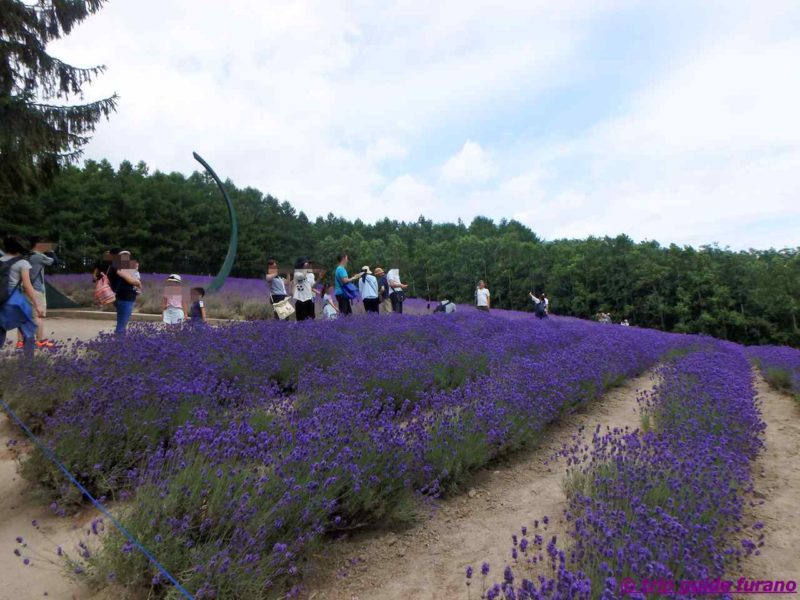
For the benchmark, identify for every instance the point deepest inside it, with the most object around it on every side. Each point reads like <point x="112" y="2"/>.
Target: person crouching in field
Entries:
<point x="15" y="286"/>
<point x="197" y="311"/>
<point x="483" y="299"/>
<point x="173" y="306"/>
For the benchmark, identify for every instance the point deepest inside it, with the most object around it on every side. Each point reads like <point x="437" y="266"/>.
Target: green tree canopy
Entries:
<point x="39" y="131"/>
<point x="176" y="223"/>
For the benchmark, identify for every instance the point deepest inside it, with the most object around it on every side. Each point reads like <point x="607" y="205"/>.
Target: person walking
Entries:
<point x="303" y="292"/>
<point x="369" y="290"/>
<point x="397" y="290"/>
<point x="41" y="256"/>
<point x="17" y="312"/>
<point x="343" y="285"/>
<point x="117" y="268"/>
<point x="483" y="299"/>
<point x="383" y="291"/>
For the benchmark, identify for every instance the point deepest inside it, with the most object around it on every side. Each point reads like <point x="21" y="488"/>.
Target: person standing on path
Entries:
<point x="15" y="311"/>
<point x="483" y="299"/>
<point x="41" y="256"/>
<point x="173" y="302"/>
<point x="341" y="280"/>
<point x="397" y="288"/>
<point x="123" y="284"/>
<point x="369" y="291"/>
<point x="276" y="283"/>
<point x="303" y="292"/>
<point x="197" y="310"/>
<point x="329" y="311"/>
<point x="383" y="291"/>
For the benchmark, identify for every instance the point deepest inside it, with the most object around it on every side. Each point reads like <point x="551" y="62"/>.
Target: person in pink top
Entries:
<point x="173" y="303"/>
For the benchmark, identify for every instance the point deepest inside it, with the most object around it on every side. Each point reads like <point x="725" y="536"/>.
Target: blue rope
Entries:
<point x="97" y="504"/>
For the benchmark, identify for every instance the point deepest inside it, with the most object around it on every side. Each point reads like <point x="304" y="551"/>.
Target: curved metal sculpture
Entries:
<point x="225" y="270"/>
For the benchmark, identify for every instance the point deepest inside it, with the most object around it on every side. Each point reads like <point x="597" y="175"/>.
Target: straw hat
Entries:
<point x="365" y="269"/>
<point x="378" y="271"/>
<point x="174" y="277"/>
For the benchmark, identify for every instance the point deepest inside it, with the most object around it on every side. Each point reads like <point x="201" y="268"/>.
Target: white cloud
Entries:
<point x="470" y="165"/>
<point x="345" y="108"/>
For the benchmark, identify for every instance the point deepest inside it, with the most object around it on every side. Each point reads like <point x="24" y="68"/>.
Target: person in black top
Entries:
<point x="123" y="284"/>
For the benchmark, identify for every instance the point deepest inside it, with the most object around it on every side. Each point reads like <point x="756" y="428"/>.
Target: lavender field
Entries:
<point x="235" y="453"/>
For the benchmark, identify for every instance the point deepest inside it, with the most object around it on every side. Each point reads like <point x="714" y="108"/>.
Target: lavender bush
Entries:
<point x="665" y="504"/>
<point x="780" y="366"/>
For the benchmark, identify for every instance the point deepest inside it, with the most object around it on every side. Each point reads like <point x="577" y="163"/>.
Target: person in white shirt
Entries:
<point x="329" y="310"/>
<point x="303" y="293"/>
<point x="445" y="306"/>
<point x="397" y="289"/>
<point x="368" y="290"/>
<point x="483" y="299"/>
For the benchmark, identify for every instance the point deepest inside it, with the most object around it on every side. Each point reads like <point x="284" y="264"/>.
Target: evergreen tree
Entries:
<point x="39" y="131"/>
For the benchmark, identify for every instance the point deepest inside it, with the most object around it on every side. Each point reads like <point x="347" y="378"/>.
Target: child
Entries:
<point x="133" y="269"/>
<point x="173" y="306"/>
<point x="328" y="309"/>
<point x="197" y="311"/>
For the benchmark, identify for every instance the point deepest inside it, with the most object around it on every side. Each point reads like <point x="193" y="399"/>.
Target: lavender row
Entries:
<point x="326" y="427"/>
<point x="780" y="366"/>
<point x="664" y="504"/>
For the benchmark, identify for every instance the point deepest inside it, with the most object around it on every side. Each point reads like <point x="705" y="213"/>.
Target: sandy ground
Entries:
<point x="777" y="481"/>
<point x="61" y="330"/>
<point x="427" y="560"/>
<point x="46" y="573"/>
<point x="18" y="511"/>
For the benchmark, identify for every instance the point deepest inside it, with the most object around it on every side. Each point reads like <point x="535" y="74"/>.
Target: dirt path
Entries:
<point x="777" y="480"/>
<point x="427" y="561"/>
<point x="62" y="330"/>
<point x="17" y="513"/>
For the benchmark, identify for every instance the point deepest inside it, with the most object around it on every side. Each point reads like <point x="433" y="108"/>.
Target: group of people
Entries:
<point x="119" y="282"/>
<point x="23" y="299"/>
<point x="604" y="317"/>
<point x="379" y="291"/>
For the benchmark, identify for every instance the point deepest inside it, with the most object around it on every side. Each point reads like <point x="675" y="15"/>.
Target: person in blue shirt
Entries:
<point x="340" y="280"/>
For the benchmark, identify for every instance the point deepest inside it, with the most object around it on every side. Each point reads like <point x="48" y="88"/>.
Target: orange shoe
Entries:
<point x="20" y="345"/>
<point x="45" y="344"/>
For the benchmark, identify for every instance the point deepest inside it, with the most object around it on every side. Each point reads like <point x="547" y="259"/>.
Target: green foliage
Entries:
<point x="778" y="378"/>
<point x="175" y="223"/>
<point x="39" y="136"/>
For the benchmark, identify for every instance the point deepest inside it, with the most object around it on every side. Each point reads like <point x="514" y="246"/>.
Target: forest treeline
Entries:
<point x="175" y="223"/>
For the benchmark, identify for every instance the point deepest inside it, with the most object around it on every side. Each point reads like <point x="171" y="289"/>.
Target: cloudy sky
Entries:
<point x="669" y="120"/>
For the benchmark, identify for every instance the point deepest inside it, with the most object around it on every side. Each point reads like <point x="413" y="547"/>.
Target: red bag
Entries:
<point x="103" y="294"/>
